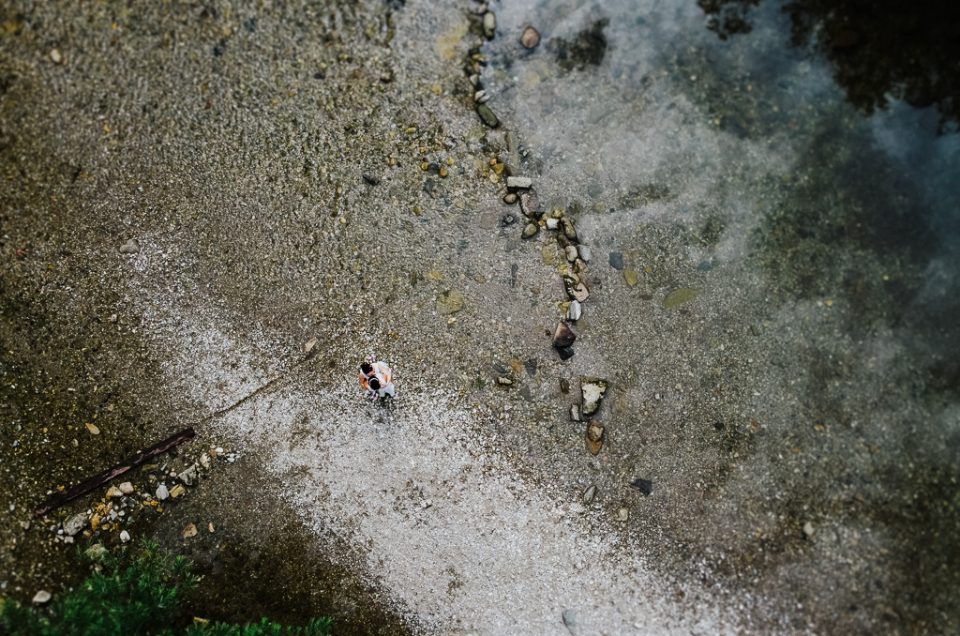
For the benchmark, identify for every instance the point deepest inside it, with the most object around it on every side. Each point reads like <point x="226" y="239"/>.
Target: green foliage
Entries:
<point x="143" y="598"/>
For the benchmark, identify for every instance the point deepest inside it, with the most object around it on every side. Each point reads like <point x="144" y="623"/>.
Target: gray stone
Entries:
<point x="504" y="381"/>
<point x="481" y="97"/>
<point x="510" y="198"/>
<point x="616" y="260"/>
<point x="126" y="488"/>
<point x="530" y="204"/>
<point x="808" y="529"/>
<point x="189" y="475"/>
<point x="623" y="514"/>
<point x="574" y="311"/>
<point x="76" y="523"/>
<point x="575" y="413"/>
<point x="569" y="618"/>
<point x="643" y="485"/>
<point x="570" y="252"/>
<point x="592" y="390"/>
<point x="553" y="223"/>
<point x="568" y="229"/>
<point x="519" y="183"/>
<point x="584" y="253"/>
<point x="589" y="494"/>
<point x="130" y="247"/>
<point x="124" y="537"/>
<point x="162" y="492"/>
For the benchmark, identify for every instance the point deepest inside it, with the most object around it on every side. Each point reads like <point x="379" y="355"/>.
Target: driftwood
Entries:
<point x="58" y="499"/>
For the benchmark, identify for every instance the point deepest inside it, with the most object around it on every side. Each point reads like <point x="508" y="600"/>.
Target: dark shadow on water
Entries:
<point x="878" y="49"/>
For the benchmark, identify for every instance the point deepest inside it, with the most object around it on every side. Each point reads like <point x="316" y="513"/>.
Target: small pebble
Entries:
<point x="570" y="252"/>
<point x="42" y="596"/>
<point x="552" y="223"/>
<point x="489" y="24"/>
<point x="56" y="56"/>
<point x="530" y="38"/>
<point x="519" y="183"/>
<point x="510" y="198"/>
<point x="124" y="536"/>
<point x="530" y="230"/>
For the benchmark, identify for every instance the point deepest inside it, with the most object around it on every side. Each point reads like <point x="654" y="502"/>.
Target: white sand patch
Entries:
<point x="461" y="542"/>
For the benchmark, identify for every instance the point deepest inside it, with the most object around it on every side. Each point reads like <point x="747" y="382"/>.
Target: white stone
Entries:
<point x="521" y="183"/>
<point x="75" y="524"/>
<point x="575" y="310"/>
<point x="42" y="597"/>
<point x="125" y="536"/>
<point x="570" y="251"/>
<point x="553" y="223"/>
<point x="162" y="492"/>
<point x="126" y="488"/>
<point x="584" y="253"/>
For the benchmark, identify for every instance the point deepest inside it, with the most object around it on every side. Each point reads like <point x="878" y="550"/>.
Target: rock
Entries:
<point x="643" y="485"/>
<point x="76" y="523"/>
<point x="190" y="530"/>
<point x="510" y="197"/>
<point x="575" y="413"/>
<point x="475" y="80"/>
<point x="530" y="204"/>
<point x="113" y="492"/>
<point x="309" y="346"/>
<point x="565" y="352"/>
<point x="553" y="223"/>
<point x="594" y="437"/>
<point x="630" y="277"/>
<point x="564" y="385"/>
<point x="507" y="220"/>
<point x="130" y="247"/>
<point x="574" y="311"/>
<point x="177" y="491"/>
<point x="96" y="552"/>
<point x="569" y="618"/>
<point x="450" y="302"/>
<point x="481" y="97"/>
<point x="570" y="253"/>
<point x="126" y="488"/>
<point x="56" y="56"/>
<point x="680" y="296"/>
<point x="487" y="116"/>
<point x="42" y="596"/>
<point x="371" y="179"/>
<point x="519" y="183"/>
<point x="623" y="514"/>
<point x="504" y="381"/>
<point x="124" y="537"/>
<point x="578" y="292"/>
<point x="568" y="229"/>
<point x="162" y="492"/>
<point x="563" y="336"/>
<point x="210" y="528"/>
<point x="530" y="230"/>
<point x="92" y="428"/>
<point x="584" y="253"/>
<point x="592" y="390"/>
<point x="589" y="494"/>
<point x="808" y="530"/>
<point x="489" y="24"/>
<point x="616" y="260"/>
<point x="189" y="475"/>
<point x="205" y="461"/>
<point x="530" y="38"/>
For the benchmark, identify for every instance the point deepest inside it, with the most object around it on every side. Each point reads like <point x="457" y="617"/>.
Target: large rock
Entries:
<point x="563" y="336"/>
<point x="592" y="390"/>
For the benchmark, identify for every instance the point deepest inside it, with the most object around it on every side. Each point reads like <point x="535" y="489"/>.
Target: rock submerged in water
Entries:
<point x="489" y="24"/>
<point x="530" y="204"/>
<point x="487" y="116"/>
<point x="574" y="311"/>
<point x="449" y="302"/>
<point x="592" y="390"/>
<point x="565" y="352"/>
<point x="530" y="38"/>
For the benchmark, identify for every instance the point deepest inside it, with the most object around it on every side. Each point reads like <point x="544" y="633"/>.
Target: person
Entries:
<point x="376" y="379"/>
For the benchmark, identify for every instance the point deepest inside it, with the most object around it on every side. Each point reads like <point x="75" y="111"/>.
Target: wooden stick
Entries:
<point x="58" y="499"/>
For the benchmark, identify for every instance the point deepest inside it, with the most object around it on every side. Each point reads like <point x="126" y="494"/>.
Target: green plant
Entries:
<point x="143" y="598"/>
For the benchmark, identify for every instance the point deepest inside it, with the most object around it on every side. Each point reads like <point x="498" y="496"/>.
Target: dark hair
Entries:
<point x="374" y="384"/>
<point x="366" y="368"/>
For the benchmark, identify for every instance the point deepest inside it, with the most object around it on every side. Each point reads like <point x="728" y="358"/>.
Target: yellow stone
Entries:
<point x="92" y="428"/>
<point x="630" y="277"/>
